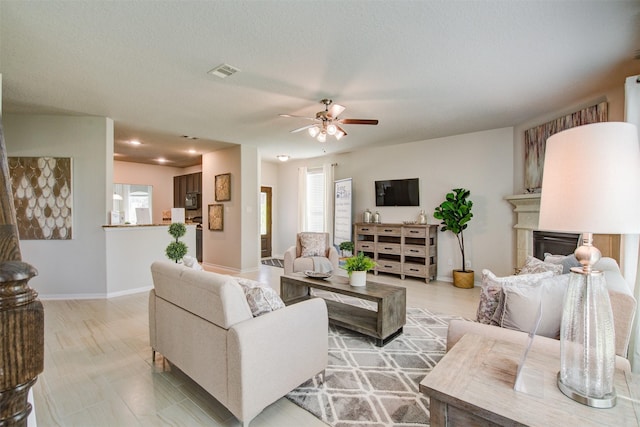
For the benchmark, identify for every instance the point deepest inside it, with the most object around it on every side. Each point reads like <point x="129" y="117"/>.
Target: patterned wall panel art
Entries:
<point x="535" y="140"/>
<point x="43" y="197"/>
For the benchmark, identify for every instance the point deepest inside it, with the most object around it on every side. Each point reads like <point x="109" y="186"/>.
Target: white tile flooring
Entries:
<point x="98" y="368"/>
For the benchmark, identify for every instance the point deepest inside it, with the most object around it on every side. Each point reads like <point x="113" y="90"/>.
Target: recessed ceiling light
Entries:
<point x="282" y="157"/>
<point x="162" y="160"/>
<point x="192" y="151"/>
<point x="134" y="142"/>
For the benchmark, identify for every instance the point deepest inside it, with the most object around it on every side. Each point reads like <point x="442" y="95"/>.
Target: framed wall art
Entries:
<point x="535" y="140"/>
<point x="216" y="217"/>
<point x="43" y="197"/>
<point x="223" y="187"/>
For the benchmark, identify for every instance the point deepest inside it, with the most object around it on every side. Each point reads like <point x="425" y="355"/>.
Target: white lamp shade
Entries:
<point x="591" y="180"/>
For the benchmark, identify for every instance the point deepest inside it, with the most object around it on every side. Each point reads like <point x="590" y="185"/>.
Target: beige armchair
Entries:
<point x="313" y="251"/>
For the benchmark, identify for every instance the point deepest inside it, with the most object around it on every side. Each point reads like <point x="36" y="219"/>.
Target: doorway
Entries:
<point x="265" y="222"/>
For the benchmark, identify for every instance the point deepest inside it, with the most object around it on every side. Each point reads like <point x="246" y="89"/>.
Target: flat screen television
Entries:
<point x="398" y="192"/>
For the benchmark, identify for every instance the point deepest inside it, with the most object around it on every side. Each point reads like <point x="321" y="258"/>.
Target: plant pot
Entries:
<point x="358" y="278"/>
<point x="463" y="279"/>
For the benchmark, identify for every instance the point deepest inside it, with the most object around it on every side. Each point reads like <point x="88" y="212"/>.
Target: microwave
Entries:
<point x="191" y="201"/>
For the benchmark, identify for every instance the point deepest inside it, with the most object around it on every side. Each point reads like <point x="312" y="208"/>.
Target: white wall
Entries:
<point x="481" y="162"/>
<point x="74" y="267"/>
<point x="159" y="177"/>
<point x="237" y="247"/>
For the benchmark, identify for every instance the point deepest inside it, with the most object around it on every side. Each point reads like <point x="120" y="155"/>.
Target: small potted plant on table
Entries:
<point x="455" y="213"/>
<point x="347" y="248"/>
<point x="357" y="267"/>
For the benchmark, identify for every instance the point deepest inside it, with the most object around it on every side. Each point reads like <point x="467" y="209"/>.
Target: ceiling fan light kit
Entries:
<point x="328" y="122"/>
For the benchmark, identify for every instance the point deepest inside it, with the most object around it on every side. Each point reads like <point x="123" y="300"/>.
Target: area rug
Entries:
<point x="374" y="386"/>
<point x="274" y="262"/>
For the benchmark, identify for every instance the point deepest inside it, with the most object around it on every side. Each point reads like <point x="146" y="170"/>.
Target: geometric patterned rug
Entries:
<point x="273" y="262"/>
<point x="372" y="386"/>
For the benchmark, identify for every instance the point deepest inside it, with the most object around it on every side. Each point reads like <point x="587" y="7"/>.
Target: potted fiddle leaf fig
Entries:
<point x="177" y="249"/>
<point x="357" y="267"/>
<point x="455" y="214"/>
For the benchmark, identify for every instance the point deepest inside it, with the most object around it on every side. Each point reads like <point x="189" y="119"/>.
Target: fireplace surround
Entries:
<point x="527" y="210"/>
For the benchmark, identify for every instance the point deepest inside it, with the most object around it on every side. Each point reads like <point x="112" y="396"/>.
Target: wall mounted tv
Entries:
<point x="398" y="192"/>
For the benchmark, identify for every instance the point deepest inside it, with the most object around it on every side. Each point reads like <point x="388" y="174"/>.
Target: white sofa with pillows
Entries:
<point x="234" y="336"/>
<point x="509" y="305"/>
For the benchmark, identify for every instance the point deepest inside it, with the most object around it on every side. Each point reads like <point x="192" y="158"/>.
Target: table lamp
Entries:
<point x="591" y="184"/>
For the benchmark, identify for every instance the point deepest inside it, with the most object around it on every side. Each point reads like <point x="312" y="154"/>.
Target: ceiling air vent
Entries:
<point x="224" y="70"/>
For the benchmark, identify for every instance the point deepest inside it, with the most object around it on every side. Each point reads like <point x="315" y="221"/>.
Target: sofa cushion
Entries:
<point x="520" y="302"/>
<point x="492" y="287"/>
<point x="533" y="265"/>
<point x="567" y="261"/>
<point x="313" y="244"/>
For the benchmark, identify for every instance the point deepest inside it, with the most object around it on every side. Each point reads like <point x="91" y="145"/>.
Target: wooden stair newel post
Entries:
<point x="21" y="313"/>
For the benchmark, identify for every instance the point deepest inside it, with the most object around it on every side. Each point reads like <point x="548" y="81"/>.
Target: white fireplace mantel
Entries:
<point x="527" y="208"/>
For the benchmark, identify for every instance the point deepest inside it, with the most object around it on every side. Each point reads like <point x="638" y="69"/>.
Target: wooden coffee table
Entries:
<point x="473" y="385"/>
<point x="384" y="324"/>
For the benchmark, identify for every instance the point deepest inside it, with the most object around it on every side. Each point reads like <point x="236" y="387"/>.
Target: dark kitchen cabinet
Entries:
<point x="183" y="184"/>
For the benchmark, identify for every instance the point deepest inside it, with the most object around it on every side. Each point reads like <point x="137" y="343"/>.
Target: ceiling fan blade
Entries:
<point x="292" y="116"/>
<point x="335" y="111"/>
<point x="302" y="128"/>
<point x="358" y="121"/>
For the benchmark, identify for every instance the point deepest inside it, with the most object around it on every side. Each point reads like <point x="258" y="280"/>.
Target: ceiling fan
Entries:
<point x="328" y="122"/>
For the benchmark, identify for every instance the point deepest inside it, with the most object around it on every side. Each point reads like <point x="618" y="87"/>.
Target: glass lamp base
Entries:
<point x="607" y="401"/>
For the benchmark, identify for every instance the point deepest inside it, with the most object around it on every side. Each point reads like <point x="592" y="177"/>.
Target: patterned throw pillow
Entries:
<point x="263" y="300"/>
<point x="261" y="297"/>
<point x="313" y="244"/>
<point x="533" y="265"/>
<point x="491" y="291"/>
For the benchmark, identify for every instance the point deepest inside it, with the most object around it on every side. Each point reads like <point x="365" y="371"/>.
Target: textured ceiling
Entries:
<point x="425" y="69"/>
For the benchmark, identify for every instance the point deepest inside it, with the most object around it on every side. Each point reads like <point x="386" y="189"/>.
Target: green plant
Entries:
<point x="359" y="262"/>
<point x="346" y="246"/>
<point x="176" y="250"/>
<point x="455" y="214"/>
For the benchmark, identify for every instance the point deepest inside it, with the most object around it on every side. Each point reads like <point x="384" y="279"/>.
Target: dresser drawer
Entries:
<point x="366" y="229"/>
<point x="388" y="266"/>
<point x="388" y="248"/>
<point x="417" y="232"/>
<point x="365" y="246"/>
<point x="389" y="230"/>
<point x="414" y="270"/>
<point x="414" y="250"/>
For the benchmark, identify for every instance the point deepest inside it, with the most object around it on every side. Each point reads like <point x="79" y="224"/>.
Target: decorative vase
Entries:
<point x="358" y="278"/>
<point x="376" y="218"/>
<point x="463" y="279"/>
<point x="366" y="216"/>
<point x="422" y="218"/>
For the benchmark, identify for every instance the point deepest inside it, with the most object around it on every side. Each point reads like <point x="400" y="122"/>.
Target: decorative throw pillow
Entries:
<point x="263" y="300"/>
<point x="567" y="261"/>
<point x="313" y="244"/>
<point x="522" y="301"/>
<point x="492" y="287"/>
<point x="533" y="265"/>
<point x="260" y="296"/>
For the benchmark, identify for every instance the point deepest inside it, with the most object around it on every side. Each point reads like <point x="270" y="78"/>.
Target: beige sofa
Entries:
<point x="201" y="322"/>
<point x="623" y="306"/>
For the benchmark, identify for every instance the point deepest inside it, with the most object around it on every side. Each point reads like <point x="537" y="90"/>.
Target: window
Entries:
<point x="315" y="198"/>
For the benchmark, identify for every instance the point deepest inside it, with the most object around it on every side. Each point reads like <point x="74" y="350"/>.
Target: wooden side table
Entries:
<point x="473" y="385"/>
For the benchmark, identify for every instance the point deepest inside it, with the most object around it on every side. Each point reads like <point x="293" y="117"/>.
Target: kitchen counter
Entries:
<point x="131" y="249"/>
